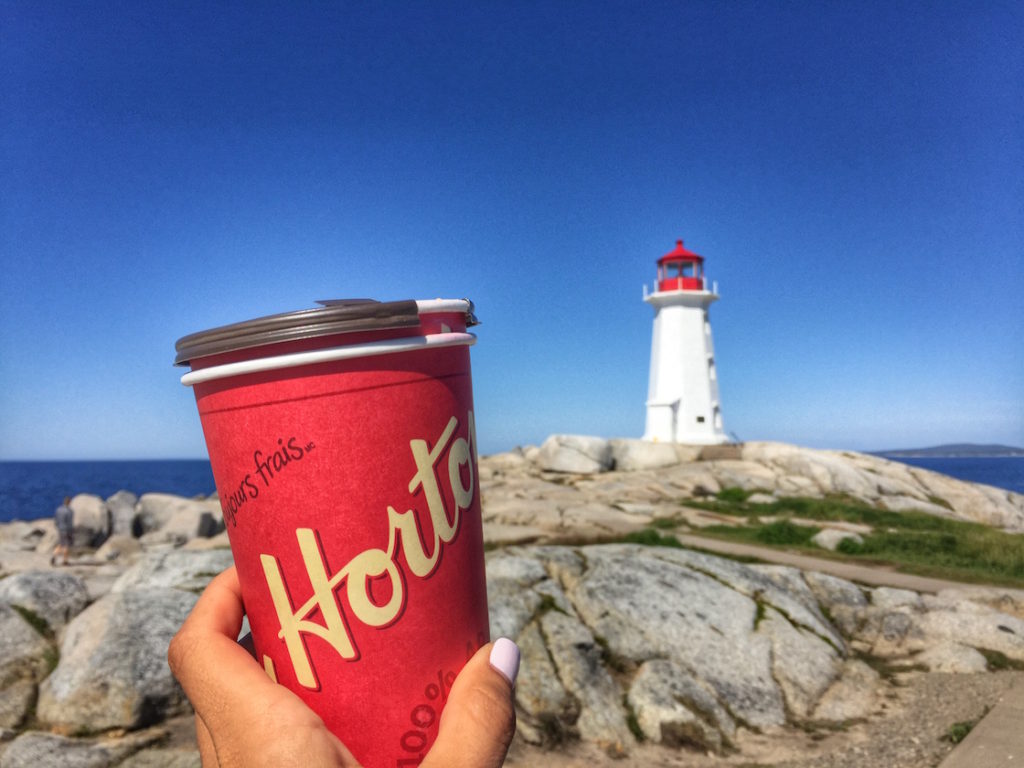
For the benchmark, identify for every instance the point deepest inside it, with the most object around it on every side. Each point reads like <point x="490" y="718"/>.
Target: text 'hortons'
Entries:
<point x="374" y="563"/>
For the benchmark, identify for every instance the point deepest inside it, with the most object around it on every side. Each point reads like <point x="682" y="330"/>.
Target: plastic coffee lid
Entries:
<point x="332" y="317"/>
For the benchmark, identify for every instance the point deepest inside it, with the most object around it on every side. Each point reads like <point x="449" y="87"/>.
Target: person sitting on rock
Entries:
<point x="63" y="517"/>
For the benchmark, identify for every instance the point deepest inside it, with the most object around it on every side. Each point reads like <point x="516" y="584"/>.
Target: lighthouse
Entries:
<point x="682" y="396"/>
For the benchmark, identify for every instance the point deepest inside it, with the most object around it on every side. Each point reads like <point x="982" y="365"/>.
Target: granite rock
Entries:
<point x="90" y="520"/>
<point x="48" y="750"/>
<point x="163" y="568"/>
<point x="113" y="669"/>
<point x="123" y="514"/>
<point x="25" y="658"/>
<point x="54" y="596"/>
<point x="673" y="708"/>
<point x="189" y="516"/>
<point x="577" y="454"/>
<point x="578" y="660"/>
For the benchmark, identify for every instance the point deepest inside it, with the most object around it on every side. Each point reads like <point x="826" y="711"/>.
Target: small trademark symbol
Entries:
<point x="310" y="446"/>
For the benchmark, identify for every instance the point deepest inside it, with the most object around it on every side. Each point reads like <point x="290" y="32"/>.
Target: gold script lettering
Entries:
<point x="374" y="564"/>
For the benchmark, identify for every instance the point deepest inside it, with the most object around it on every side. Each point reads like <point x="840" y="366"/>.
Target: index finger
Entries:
<point x="218" y="675"/>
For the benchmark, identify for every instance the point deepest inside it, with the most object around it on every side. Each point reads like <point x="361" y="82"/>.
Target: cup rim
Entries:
<point x="330" y="354"/>
<point x="332" y="317"/>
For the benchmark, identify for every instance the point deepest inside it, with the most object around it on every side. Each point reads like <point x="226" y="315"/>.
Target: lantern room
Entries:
<point x="681" y="270"/>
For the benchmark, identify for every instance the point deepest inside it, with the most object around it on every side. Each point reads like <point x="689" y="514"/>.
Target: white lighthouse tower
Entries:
<point x="682" y="397"/>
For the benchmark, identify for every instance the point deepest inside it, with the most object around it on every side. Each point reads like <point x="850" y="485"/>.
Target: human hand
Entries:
<point x="245" y="720"/>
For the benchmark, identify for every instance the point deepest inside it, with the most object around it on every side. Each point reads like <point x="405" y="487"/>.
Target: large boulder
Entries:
<point x="182" y="518"/>
<point x="577" y="454"/>
<point x="632" y="455"/>
<point x="830" y="538"/>
<point x="680" y="646"/>
<point x="56" y="597"/>
<point x="91" y="520"/>
<point x="194" y="522"/>
<point x="113" y="671"/>
<point x="123" y="513"/>
<point x="25" y="658"/>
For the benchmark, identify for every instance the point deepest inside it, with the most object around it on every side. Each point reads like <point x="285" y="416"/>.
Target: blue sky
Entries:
<point x="851" y="172"/>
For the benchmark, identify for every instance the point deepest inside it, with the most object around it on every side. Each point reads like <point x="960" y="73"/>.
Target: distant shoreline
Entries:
<point x="953" y="451"/>
<point x="920" y="455"/>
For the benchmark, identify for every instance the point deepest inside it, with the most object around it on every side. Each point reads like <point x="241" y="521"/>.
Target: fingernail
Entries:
<point x="505" y="658"/>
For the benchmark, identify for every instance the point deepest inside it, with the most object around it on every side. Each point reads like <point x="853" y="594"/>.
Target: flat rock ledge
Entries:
<point x="637" y="472"/>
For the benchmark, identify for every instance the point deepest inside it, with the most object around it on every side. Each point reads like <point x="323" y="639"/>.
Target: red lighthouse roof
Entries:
<point x="679" y="253"/>
<point x="681" y="270"/>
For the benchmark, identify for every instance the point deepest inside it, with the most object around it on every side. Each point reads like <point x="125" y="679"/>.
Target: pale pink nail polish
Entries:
<point x="505" y="658"/>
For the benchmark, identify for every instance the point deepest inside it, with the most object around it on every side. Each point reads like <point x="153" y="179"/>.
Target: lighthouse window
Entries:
<point x="681" y="269"/>
<point x="700" y="419"/>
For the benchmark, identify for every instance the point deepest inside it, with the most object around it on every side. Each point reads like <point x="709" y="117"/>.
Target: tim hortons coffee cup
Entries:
<point x="343" y="446"/>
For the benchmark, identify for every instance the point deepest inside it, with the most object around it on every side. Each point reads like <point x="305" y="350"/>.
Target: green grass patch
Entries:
<point x="997" y="660"/>
<point x="784" y="533"/>
<point x="916" y="542"/>
<point x="52" y="658"/>
<point x="957" y="732"/>
<point x="733" y="495"/>
<point x="631" y="720"/>
<point x="651" y="538"/>
<point x="39" y="624"/>
<point x="762" y="612"/>
<point x="547" y="603"/>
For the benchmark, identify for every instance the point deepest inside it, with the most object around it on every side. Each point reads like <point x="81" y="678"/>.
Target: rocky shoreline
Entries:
<point x="646" y="655"/>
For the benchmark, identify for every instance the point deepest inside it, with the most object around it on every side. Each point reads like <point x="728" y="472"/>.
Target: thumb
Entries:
<point x="479" y="719"/>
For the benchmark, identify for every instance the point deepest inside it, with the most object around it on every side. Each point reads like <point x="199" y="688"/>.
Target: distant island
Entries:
<point x="953" y="450"/>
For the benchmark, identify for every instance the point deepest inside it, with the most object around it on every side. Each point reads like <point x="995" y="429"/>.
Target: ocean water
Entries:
<point x="30" y="490"/>
<point x="1000" y="471"/>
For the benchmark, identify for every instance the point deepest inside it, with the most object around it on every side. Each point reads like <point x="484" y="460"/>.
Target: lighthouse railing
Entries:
<point x="703" y="287"/>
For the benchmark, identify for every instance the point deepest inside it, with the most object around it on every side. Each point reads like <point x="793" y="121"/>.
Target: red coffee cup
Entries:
<point x="343" y="446"/>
